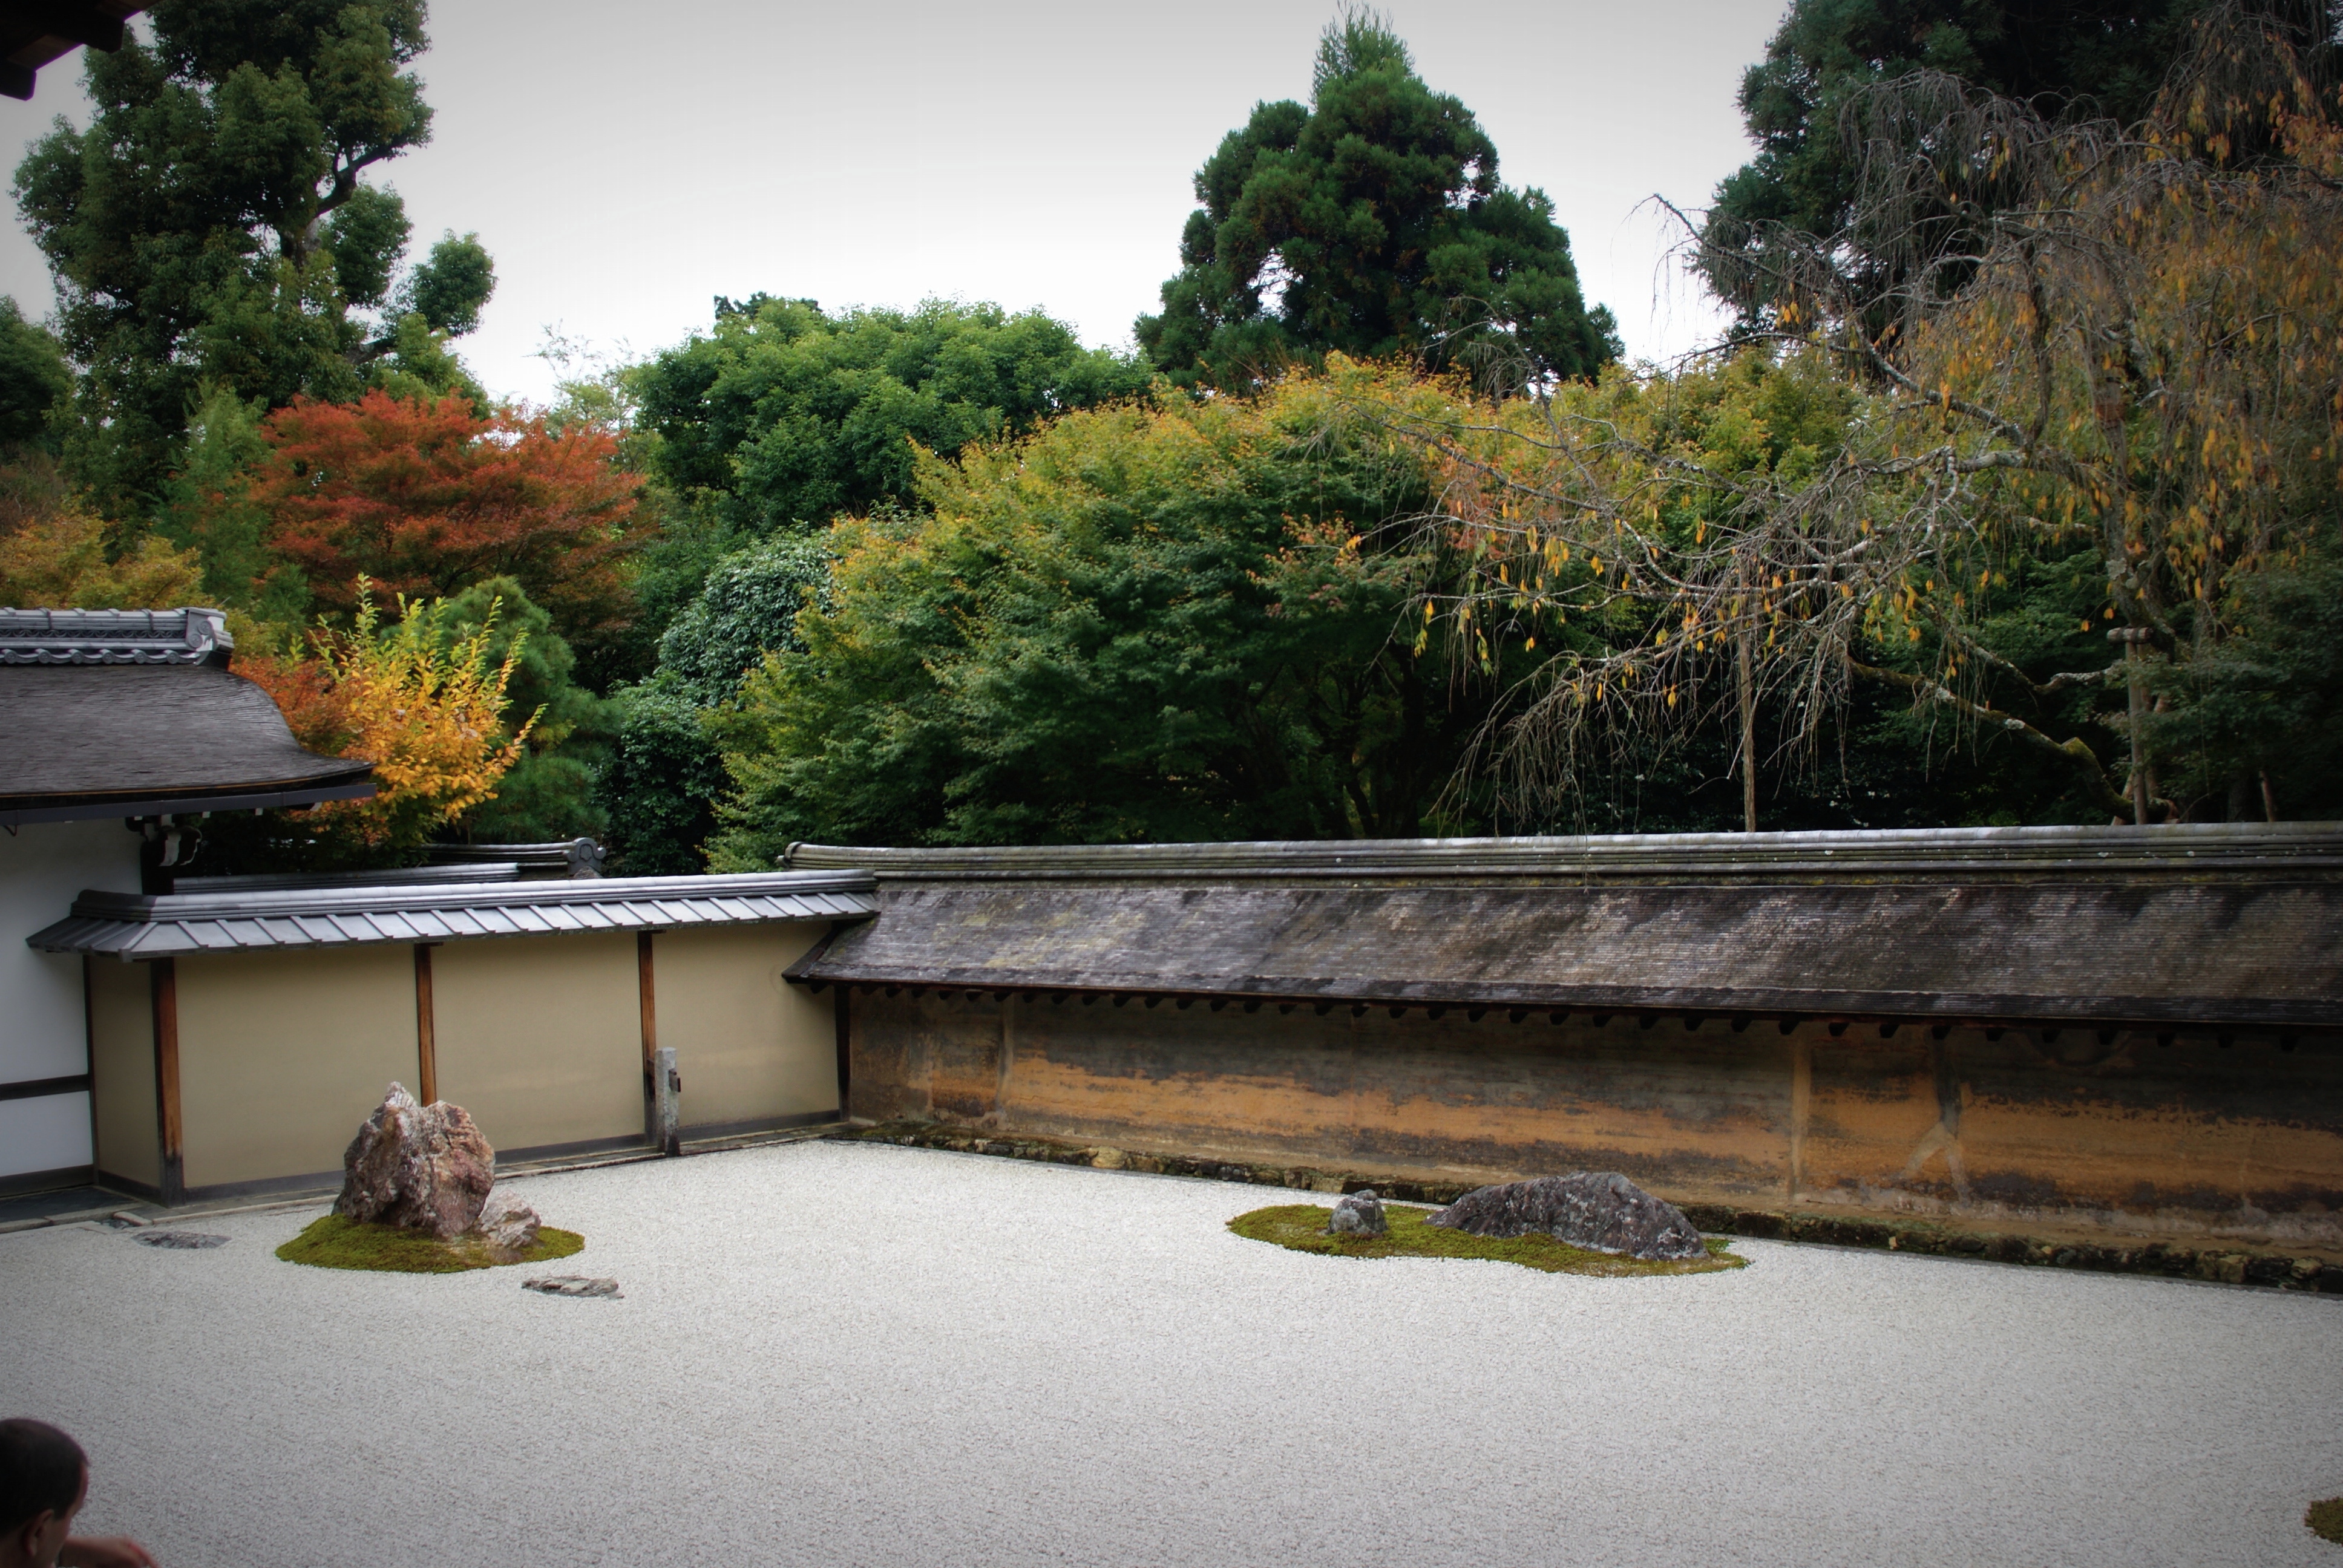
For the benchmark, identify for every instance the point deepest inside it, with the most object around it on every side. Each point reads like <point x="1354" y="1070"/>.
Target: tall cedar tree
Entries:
<point x="1802" y="105"/>
<point x="1372" y="223"/>
<point x="427" y="496"/>
<point x="211" y="225"/>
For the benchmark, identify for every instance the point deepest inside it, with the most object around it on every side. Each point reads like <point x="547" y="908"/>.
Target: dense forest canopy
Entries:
<point x="2015" y="495"/>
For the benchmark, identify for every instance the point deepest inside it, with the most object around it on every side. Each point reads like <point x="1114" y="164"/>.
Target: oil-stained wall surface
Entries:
<point x="283" y="1054"/>
<point x="540" y="1038"/>
<point x="751" y="1047"/>
<point x="2122" y="1133"/>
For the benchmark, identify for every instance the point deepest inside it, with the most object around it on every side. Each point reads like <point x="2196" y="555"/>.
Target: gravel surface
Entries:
<point x="835" y="1353"/>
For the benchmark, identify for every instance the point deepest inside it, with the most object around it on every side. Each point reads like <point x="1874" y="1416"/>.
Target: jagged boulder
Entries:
<point x="1360" y="1214"/>
<point x="1599" y="1210"/>
<point x="508" y="1226"/>
<point x="420" y="1167"/>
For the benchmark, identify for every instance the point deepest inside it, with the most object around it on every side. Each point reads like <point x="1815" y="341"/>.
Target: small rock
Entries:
<point x="507" y="1225"/>
<point x="179" y="1241"/>
<point x="1598" y="1210"/>
<point x="1360" y="1214"/>
<point x="571" y="1285"/>
<point x="420" y="1167"/>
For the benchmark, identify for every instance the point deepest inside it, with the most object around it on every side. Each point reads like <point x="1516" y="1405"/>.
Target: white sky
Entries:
<point x="624" y="163"/>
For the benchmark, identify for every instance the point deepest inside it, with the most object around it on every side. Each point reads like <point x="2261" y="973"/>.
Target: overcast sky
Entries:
<point x="624" y="163"/>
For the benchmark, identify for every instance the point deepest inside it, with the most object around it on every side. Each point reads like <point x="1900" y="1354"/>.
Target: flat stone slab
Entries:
<point x="180" y="1241"/>
<point x="571" y="1285"/>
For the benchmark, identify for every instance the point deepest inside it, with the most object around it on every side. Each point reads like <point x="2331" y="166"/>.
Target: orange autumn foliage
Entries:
<point x="423" y="498"/>
<point x="426" y="710"/>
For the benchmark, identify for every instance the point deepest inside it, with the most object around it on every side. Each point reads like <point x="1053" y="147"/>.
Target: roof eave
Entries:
<point x="16" y="809"/>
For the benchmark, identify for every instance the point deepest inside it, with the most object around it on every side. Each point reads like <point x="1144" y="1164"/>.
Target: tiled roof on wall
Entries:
<point x="132" y="926"/>
<point x="2195" y="927"/>
<point x="113" y="637"/>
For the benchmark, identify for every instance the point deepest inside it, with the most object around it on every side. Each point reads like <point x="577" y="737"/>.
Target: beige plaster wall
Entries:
<point x="283" y="1054"/>
<point x="749" y="1045"/>
<point x="122" y="1070"/>
<point x="540" y="1038"/>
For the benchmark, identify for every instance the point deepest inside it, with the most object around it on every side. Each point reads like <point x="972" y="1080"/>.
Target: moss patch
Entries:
<point x="1301" y="1227"/>
<point x="336" y="1242"/>
<point x="2326" y="1520"/>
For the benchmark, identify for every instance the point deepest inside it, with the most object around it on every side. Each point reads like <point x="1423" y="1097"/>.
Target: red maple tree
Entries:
<point x="425" y="497"/>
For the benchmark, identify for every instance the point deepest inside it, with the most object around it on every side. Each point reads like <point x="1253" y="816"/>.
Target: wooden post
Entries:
<point x="163" y="979"/>
<point x="649" y="1004"/>
<point x="843" y="1007"/>
<point x="89" y="1056"/>
<point x="670" y="1101"/>
<point x="427" y="1044"/>
<point x="1008" y="1057"/>
<point x="1802" y="1095"/>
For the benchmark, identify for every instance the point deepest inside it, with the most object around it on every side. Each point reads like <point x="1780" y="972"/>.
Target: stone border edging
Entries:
<point x="2220" y="1265"/>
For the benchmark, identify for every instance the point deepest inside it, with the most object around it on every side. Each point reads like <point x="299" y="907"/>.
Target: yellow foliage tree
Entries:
<point x="425" y="708"/>
<point x="58" y="562"/>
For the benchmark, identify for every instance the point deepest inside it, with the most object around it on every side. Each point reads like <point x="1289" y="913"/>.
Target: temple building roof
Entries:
<point x="123" y="713"/>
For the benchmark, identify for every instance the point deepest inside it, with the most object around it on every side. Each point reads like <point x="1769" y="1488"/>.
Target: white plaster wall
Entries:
<point x="43" y="865"/>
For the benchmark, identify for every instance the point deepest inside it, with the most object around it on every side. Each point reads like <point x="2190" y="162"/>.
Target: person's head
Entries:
<point x="44" y="1477"/>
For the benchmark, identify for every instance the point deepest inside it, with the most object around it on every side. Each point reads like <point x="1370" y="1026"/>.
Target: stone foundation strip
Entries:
<point x="2223" y="1265"/>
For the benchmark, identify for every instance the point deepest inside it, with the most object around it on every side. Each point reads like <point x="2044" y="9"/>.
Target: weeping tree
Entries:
<point x="2070" y="484"/>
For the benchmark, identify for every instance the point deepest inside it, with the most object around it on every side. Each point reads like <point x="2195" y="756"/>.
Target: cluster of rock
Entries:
<point x="427" y="1168"/>
<point x="1358" y="1214"/>
<point x="1598" y="1210"/>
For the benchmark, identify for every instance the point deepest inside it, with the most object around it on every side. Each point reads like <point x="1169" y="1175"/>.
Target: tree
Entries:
<point x="1371" y="223"/>
<point x="748" y="608"/>
<point x="420" y="700"/>
<point x="2074" y="59"/>
<point x="59" y="562"/>
<point x="660" y="783"/>
<point x="212" y="225"/>
<point x="34" y="377"/>
<point x="659" y="787"/>
<point x="785" y="417"/>
<point x="2073" y="497"/>
<point x="428" y="497"/>
<point x="1157" y="622"/>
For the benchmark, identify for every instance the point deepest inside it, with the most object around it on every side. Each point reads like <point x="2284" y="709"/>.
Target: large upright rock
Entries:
<point x="421" y="1167"/>
<point x="1601" y="1210"/>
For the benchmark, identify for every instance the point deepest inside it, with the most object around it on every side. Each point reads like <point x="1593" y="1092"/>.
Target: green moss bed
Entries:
<point x="2325" y="1519"/>
<point x="336" y="1242"/>
<point x="1301" y="1227"/>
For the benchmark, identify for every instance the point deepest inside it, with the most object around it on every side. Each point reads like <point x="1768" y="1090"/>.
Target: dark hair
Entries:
<point x="40" y="1469"/>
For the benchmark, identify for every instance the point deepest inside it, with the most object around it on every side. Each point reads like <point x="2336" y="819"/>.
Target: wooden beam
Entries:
<point x="162" y="982"/>
<point x="427" y="1042"/>
<point x="647" y="996"/>
<point x="845" y="1013"/>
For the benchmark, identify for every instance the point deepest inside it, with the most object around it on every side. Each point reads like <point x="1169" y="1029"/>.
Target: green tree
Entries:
<point x="1804" y="105"/>
<point x="784" y="415"/>
<point x="660" y="783"/>
<point x="1370" y="222"/>
<point x="1155" y="621"/>
<point x="211" y="228"/>
<point x="659" y="789"/>
<point x="34" y="377"/>
<point x="547" y="793"/>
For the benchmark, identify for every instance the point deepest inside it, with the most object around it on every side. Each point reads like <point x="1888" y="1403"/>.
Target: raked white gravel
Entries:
<point x="844" y="1354"/>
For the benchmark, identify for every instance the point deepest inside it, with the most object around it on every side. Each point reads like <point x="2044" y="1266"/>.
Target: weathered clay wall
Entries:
<point x="2126" y="1134"/>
